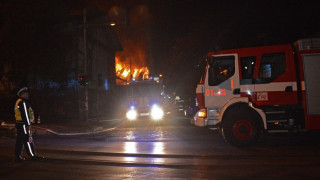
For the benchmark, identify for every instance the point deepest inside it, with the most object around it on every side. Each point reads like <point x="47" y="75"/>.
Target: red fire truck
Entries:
<point x="145" y="101"/>
<point x="247" y="91"/>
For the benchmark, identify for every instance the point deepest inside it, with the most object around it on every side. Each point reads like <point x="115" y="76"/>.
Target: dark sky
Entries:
<point x="226" y="24"/>
<point x="244" y="18"/>
<point x="188" y="29"/>
<point x="176" y="34"/>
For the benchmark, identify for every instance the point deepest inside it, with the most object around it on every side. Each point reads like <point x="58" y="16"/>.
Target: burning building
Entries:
<point x="134" y="61"/>
<point x="127" y="72"/>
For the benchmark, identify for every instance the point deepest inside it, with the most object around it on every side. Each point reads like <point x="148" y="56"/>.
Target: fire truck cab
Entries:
<point x="250" y="90"/>
<point x="144" y="101"/>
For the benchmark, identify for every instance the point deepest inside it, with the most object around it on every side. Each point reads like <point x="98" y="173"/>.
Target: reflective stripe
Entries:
<point x="231" y="83"/>
<point x="30" y="149"/>
<point x="303" y="87"/>
<point x="17" y="112"/>
<point x="24" y="129"/>
<point x="25" y="110"/>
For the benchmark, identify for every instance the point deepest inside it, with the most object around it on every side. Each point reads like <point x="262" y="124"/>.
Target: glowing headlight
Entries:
<point x="156" y="113"/>
<point x="202" y="113"/>
<point x="131" y="114"/>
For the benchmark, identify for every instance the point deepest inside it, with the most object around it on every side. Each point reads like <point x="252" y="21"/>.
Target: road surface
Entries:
<point x="174" y="149"/>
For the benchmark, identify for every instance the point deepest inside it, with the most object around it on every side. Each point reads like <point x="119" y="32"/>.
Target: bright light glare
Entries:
<point x="130" y="148"/>
<point x="131" y="115"/>
<point x="156" y="113"/>
<point x="202" y="113"/>
<point x="158" y="148"/>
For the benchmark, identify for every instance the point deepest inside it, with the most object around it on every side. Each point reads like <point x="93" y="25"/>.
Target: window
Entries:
<point x="247" y="69"/>
<point x="272" y="66"/>
<point x="201" y="69"/>
<point x="220" y="69"/>
<point x="247" y="66"/>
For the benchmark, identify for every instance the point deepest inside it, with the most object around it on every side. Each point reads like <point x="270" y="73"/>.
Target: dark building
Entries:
<point x="101" y="43"/>
<point x="75" y="49"/>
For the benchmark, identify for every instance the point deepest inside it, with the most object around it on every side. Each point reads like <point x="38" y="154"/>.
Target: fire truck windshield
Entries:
<point x="144" y="94"/>
<point x="220" y="69"/>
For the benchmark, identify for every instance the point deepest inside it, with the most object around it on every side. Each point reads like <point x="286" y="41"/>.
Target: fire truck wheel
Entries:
<point x="241" y="128"/>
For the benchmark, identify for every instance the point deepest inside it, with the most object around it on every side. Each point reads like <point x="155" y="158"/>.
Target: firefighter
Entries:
<point x="24" y="117"/>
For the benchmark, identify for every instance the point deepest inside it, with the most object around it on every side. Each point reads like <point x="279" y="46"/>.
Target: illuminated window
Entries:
<point x="272" y="65"/>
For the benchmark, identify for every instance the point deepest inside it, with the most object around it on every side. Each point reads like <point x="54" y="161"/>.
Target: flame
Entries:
<point x="123" y="71"/>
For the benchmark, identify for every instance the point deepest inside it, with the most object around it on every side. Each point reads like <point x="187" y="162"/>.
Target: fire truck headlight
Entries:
<point x="131" y="114"/>
<point x="156" y="113"/>
<point x="202" y="113"/>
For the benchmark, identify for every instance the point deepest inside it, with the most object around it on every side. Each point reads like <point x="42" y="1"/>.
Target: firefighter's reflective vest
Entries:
<point x="25" y="109"/>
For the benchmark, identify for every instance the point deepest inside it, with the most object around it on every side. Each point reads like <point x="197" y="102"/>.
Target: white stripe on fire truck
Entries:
<point x="275" y="86"/>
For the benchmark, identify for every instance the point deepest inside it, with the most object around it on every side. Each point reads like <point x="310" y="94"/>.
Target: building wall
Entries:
<point x="101" y="48"/>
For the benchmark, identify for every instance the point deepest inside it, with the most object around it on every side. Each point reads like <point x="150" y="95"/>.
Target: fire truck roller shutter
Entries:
<point x="241" y="125"/>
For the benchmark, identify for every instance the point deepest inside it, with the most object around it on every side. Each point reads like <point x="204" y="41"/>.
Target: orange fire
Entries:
<point x="123" y="71"/>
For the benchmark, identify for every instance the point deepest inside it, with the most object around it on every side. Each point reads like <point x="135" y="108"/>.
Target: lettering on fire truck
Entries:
<point x="220" y="92"/>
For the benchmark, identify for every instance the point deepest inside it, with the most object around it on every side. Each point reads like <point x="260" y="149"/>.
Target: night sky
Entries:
<point x="176" y="34"/>
<point x="187" y="30"/>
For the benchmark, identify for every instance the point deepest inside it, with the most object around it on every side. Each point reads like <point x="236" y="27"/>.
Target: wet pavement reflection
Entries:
<point x="148" y="143"/>
<point x="130" y="148"/>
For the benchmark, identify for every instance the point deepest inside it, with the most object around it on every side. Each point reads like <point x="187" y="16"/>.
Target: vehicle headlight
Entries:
<point x="131" y="114"/>
<point x="202" y="113"/>
<point x="156" y="112"/>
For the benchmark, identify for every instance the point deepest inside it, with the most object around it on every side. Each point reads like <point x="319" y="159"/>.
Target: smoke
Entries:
<point x="134" y="53"/>
<point x="132" y="29"/>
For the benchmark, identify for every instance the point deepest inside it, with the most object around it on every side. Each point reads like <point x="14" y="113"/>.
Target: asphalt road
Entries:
<point x="170" y="150"/>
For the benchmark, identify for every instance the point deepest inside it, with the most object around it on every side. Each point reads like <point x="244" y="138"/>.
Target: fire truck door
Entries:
<point x="275" y="84"/>
<point x="222" y="82"/>
<point x="311" y="65"/>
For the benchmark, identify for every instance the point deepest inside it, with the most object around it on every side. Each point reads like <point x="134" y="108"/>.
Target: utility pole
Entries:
<point x="85" y="110"/>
